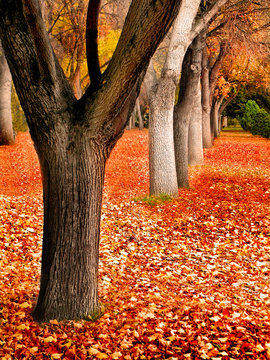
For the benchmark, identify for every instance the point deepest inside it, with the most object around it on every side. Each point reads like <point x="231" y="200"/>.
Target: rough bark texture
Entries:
<point x="73" y="139"/>
<point x="6" y="130"/>
<point x="163" y="178"/>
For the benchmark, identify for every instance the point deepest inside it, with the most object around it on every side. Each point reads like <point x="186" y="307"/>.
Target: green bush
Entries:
<point x="255" y="119"/>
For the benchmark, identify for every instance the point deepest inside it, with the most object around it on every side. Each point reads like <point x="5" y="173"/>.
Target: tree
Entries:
<point x="236" y="40"/>
<point x="163" y="177"/>
<point x="6" y="130"/>
<point x="188" y="114"/>
<point x="74" y="138"/>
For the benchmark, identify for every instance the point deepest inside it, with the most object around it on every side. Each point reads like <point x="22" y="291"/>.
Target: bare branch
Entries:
<point x="45" y="55"/>
<point x="203" y="21"/>
<point x="92" y="43"/>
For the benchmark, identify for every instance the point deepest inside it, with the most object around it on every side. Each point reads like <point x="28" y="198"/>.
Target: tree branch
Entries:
<point x="146" y="24"/>
<point x="203" y="21"/>
<point x="92" y="43"/>
<point x="45" y="55"/>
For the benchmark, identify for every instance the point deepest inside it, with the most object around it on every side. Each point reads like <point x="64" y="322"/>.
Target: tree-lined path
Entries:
<point x="181" y="279"/>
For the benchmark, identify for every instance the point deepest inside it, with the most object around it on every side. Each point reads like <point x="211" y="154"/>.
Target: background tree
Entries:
<point x="6" y="130"/>
<point x="73" y="138"/>
<point x="162" y="143"/>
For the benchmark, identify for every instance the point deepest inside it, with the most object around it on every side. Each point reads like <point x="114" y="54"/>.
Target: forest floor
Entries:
<point x="181" y="279"/>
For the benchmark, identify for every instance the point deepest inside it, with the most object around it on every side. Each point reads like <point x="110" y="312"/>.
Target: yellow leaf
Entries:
<point x="102" y="355"/>
<point x="23" y="327"/>
<point x="25" y="305"/>
<point x="49" y="339"/>
<point x="116" y="355"/>
<point x="93" y="351"/>
<point x="54" y="322"/>
<point x="56" y="356"/>
<point x="33" y="349"/>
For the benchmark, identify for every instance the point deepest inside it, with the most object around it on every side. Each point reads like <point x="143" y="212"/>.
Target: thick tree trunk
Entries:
<point x="206" y="109"/>
<point x="74" y="137"/>
<point x="6" y="130"/>
<point x="161" y="149"/>
<point x="73" y="175"/>
<point x="161" y="128"/>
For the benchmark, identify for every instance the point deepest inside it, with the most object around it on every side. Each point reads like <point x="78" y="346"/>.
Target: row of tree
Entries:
<point x="74" y="130"/>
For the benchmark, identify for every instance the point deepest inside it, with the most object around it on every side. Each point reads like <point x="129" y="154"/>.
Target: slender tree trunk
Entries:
<point x="206" y="128"/>
<point x="138" y="108"/>
<point x="195" y="149"/>
<point x="6" y="130"/>
<point x="214" y="119"/>
<point x="188" y="145"/>
<point x="181" y="125"/>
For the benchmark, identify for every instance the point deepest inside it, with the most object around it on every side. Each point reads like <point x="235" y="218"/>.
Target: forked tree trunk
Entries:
<point x="74" y="137"/>
<point x="6" y="129"/>
<point x="73" y="176"/>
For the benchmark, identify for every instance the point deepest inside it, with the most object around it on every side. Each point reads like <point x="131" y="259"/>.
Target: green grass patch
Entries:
<point x="154" y="200"/>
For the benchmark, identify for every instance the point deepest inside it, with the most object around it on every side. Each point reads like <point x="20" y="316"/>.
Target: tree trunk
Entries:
<point x="138" y="108"/>
<point x="6" y="130"/>
<point x="206" y="128"/>
<point x="214" y="120"/>
<point x="74" y="137"/>
<point x="188" y="146"/>
<point x="161" y="128"/>
<point x="69" y="274"/>
<point x="195" y="149"/>
<point x="181" y="125"/>
<point x="161" y="149"/>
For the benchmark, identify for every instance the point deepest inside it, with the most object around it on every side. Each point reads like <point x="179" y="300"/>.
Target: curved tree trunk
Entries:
<point x="6" y="129"/>
<point x="214" y="120"/>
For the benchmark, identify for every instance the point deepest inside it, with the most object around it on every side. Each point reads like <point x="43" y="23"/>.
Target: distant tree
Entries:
<point x="6" y="130"/>
<point x="162" y="142"/>
<point x="74" y="138"/>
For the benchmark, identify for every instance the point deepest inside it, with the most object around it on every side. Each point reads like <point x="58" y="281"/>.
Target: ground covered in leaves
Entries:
<point x="182" y="279"/>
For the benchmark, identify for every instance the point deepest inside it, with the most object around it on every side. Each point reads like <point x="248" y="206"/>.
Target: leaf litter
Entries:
<point x="183" y="279"/>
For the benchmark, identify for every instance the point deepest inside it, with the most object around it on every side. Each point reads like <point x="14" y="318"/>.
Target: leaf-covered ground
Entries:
<point x="184" y="279"/>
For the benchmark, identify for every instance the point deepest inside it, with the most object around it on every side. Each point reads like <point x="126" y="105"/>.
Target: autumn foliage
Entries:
<point x="181" y="279"/>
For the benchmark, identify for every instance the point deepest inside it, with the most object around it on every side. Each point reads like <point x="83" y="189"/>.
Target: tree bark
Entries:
<point x="73" y="176"/>
<point x="163" y="178"/>
<point x="195" y="149"/>
<point x="6" y="129"/>
<point x="138" y="108"/>
<point x="73" y="139"/>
